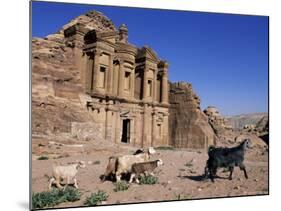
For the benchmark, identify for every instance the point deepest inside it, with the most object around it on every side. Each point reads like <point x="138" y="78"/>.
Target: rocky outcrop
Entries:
<point x="188" y="126"/>
<point x="262" y="129"/>
<point x="245" y="120"/>
<point x="217" y="121"/>
<point x="257" y="124"/>
<point x="91" y="20"/>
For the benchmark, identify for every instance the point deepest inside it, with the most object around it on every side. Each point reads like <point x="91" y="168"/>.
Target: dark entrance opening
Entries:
<point x="126" y="131"/>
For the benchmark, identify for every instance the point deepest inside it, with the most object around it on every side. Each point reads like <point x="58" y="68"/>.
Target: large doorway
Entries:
<point x="126" y="131"/>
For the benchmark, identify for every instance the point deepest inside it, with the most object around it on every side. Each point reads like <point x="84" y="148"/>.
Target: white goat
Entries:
<point x="66" y="173"/>
<point x="124" y="163"/>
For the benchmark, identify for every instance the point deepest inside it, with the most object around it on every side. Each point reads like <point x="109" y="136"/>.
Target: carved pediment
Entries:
<point x="147" y="52"/>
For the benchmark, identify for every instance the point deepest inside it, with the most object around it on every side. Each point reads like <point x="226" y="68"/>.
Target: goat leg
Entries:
<point x="243" y="168"/>
<point x="231" y="171"/>
<point x="118" y="177"/>
<point x="132" y="176"/>
<point x="57" y="182"/>
<point x="212" y="174"/>
<point x="52" y="180"/>
<point x="75" y="183"/>
<point x="206" y="172"/>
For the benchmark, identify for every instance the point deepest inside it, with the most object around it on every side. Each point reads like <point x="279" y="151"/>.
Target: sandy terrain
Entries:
<point x="175" y="179"/>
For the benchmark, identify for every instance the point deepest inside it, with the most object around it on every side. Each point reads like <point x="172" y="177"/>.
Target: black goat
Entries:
<point x="227" y="158"/>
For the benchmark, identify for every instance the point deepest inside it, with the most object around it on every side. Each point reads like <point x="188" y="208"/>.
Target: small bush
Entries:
<point x="121" y="186"/>
<point x="165" y="148"/>
<point x="225" y="170"/>
<point x="148" y="180"/>
<point x="97" y="162"/>
<point x="189" y="163"/>
<point x="181" y="197"/>
<point x="43" y="158"/>
<point x="54" y="197"/>
<point x="96" y="198"/>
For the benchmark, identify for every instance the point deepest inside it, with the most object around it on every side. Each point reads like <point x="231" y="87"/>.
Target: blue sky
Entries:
<point x="224" y="57"/>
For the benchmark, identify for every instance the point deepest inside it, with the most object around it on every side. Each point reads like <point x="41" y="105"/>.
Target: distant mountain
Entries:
<point x="239" y="121"/>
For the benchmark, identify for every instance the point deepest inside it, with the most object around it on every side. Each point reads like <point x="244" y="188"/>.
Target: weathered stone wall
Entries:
<point x="188" y="126"/>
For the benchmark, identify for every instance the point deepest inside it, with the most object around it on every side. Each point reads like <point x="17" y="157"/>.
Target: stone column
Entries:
<point x="165" y="87"/>
<point x="165" y="130"/>
<point x="116" y="68"/>
<point x="153" y="141"/>
<point x="132" y="131"/>
<point x="144" y="84"/>
<point x="154" y="97"/>
<point x="121" y="79"/>
<point x="109" y="121"/>
<point x="132" y="83"/>
<point x="109" y="76"/>
<point x="88" y="71"/>
<point x="144" y="126"/>
<point x="117" y="135"/>
<point x="95" y="70"/>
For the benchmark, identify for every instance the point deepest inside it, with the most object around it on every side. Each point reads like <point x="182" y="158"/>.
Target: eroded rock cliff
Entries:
<point x="188" y="126"/>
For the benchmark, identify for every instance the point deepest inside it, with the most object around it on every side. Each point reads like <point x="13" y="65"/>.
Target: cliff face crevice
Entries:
<point x="188" y="126"/>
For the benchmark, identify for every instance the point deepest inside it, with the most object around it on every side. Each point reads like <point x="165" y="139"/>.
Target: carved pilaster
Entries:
<point x="109" y="86"/>
<point x="165" y="87"/>
<point x="97" y="53"/>
<point x="121" y="79"/>
<point x="144" y="84"/>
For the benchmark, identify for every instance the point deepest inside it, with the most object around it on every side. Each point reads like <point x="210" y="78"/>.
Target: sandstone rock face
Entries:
<point x="218" y="122"/>
<point x="262" y="129"/>
<point x="56" y="83"/>
<point x="92" y="20"/>
<point x="263" y="125"/>
<point x="188" y="126"/>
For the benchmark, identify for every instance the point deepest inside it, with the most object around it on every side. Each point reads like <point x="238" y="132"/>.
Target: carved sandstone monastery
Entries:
<point x="90" y="82"/>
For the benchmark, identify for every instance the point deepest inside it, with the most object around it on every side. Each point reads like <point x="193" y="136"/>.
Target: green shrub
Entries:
<point x="164" y="148"/>
<point x="54" y="197"/>
<point x="181" y="197"/>
<point x="189" y="163"/>
<point x="148" y="180"/>
<point x="225" y="170"/>
<point x="97" y="162"/>
<point x="96" y="198"/>
<point x="121" y="186"/>
<point x="43" y="158"/>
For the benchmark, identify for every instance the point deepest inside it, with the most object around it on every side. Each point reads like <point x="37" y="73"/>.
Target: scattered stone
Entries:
<point x="237" y="187"/>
